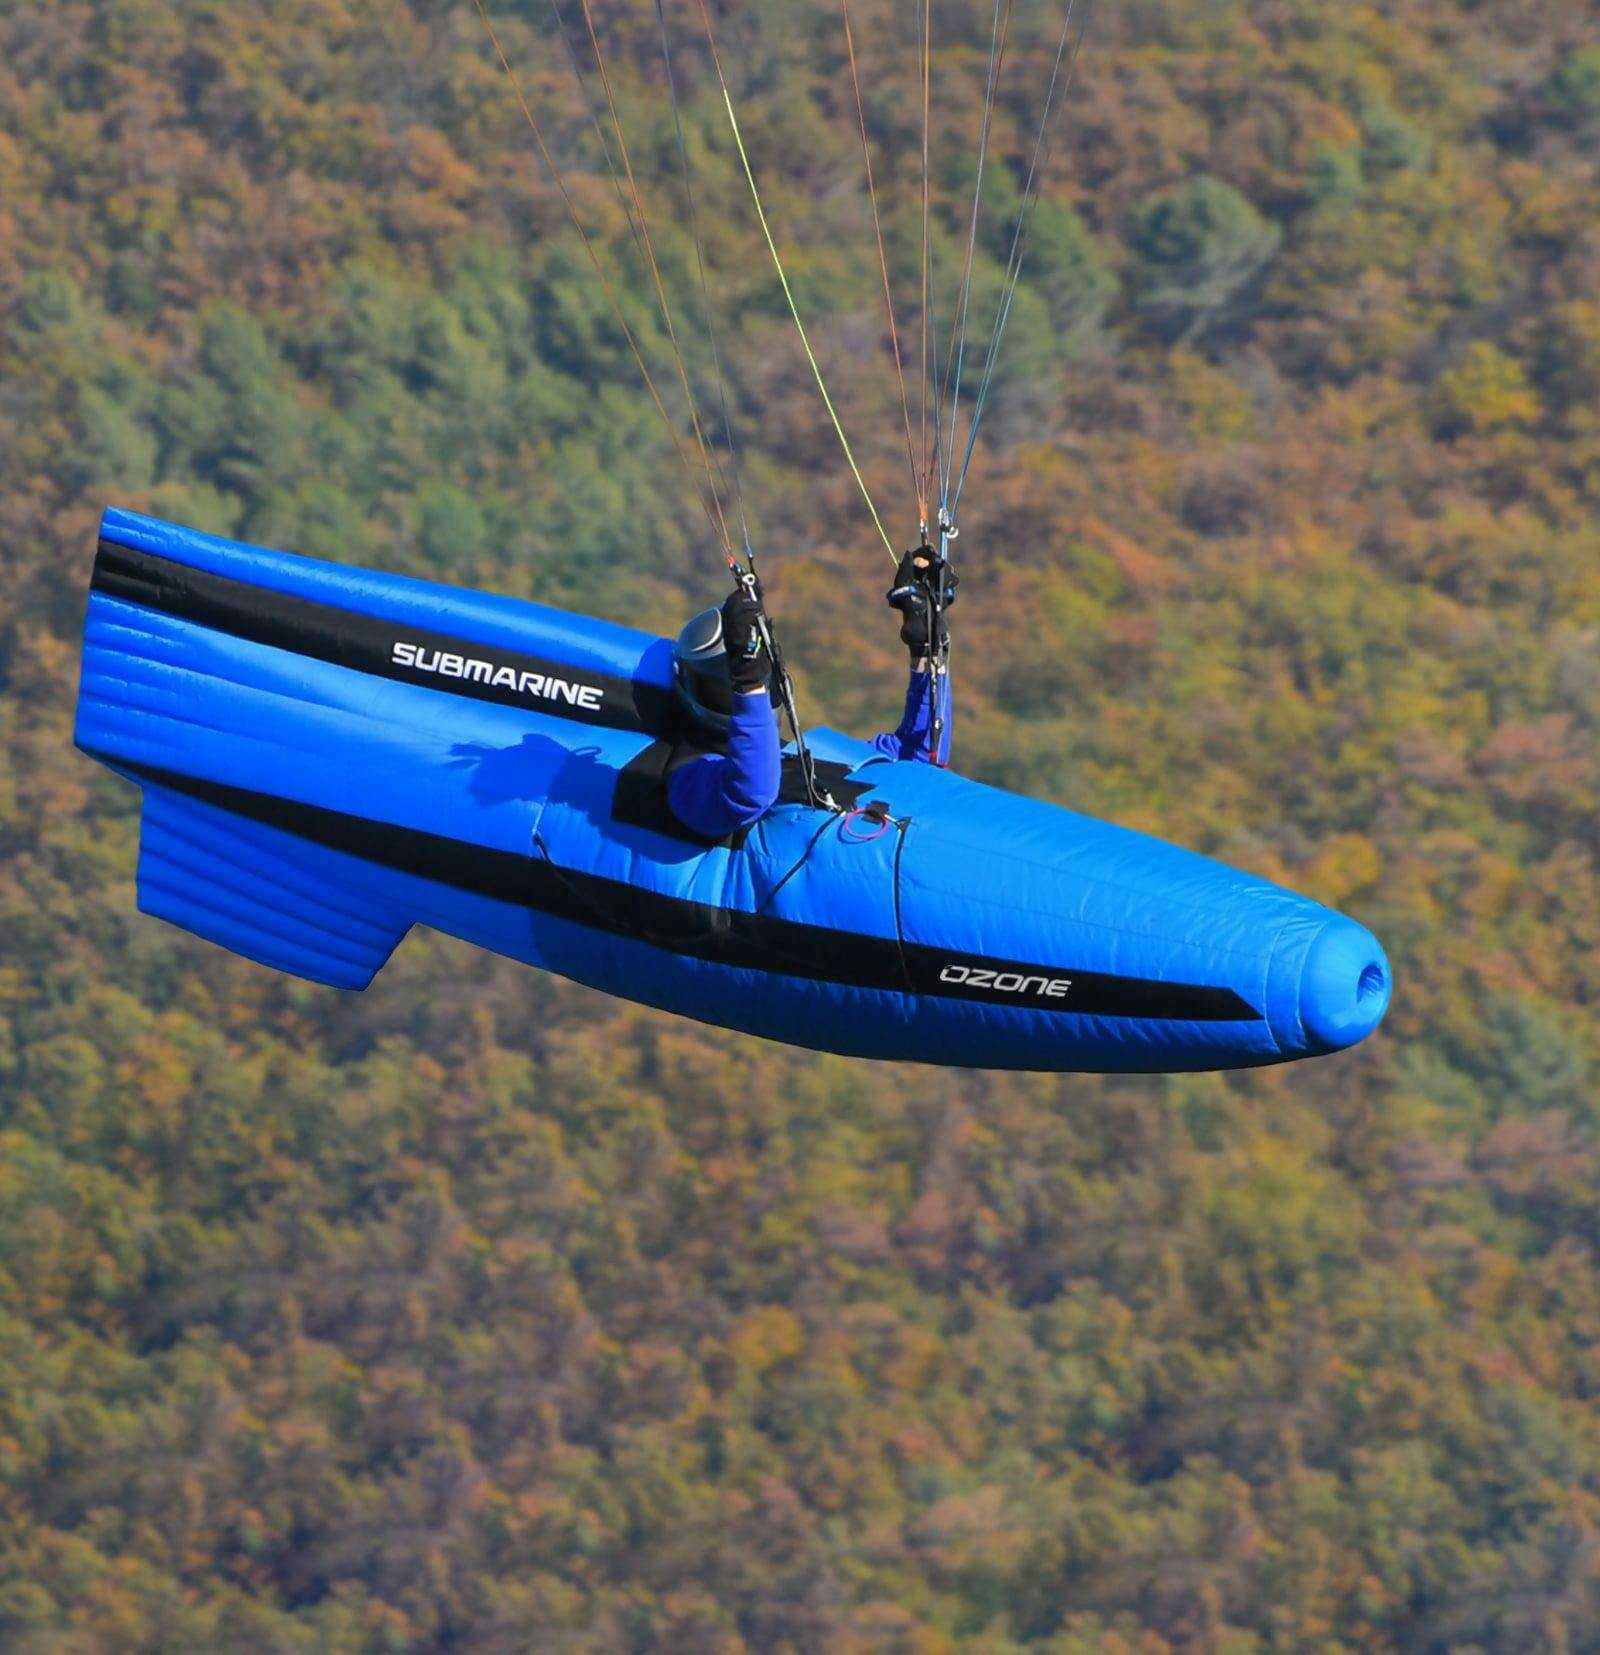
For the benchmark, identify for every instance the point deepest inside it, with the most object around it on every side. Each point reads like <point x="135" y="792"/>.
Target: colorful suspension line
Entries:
<point x="594" y="120"/>
<point x="1013" y="275"/>
<point x="958" y="331"/>
<point x="705" y="287"/>
<point x="633" y="226"/>
<point x="883" y="263"/>
<point x="788" y="292"/>
<point x="655" y="272"/>
<point x="718" y="527"/>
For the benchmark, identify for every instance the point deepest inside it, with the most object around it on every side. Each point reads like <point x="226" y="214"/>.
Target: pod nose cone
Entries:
<point x="1344" y="986"/>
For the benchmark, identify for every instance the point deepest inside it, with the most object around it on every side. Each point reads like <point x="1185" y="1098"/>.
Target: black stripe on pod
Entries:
<point x="384" y="649"/>
<point x="720" y="936"/>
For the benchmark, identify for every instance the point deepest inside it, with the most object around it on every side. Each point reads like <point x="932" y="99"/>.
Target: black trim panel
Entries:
<point x="640" y="796"/>
<point x="367" y="643"/>
<point x="721" y="936"/>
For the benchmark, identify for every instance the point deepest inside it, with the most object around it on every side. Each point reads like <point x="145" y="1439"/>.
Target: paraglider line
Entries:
<point x="883" y="264"/>
<point x="997" y="53"/>
<point x="599" y="270"/>
<point x="925" y="22"/>
<point x="594" y="120"/>
<point x="655" y="269"/>
<point x="1014" y="260"/>
<point x="705" y="287"/>
<point x="788" y="293"/>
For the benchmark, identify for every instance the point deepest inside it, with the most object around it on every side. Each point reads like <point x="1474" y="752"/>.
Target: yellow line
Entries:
<point x="794" y="310"/>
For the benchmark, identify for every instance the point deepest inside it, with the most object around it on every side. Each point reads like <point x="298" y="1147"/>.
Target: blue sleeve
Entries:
<point x="717" y="794"/>
<point x="914" y="739"/>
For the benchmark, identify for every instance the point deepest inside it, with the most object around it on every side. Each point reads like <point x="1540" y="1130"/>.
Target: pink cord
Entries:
<point x="861" y="838"/>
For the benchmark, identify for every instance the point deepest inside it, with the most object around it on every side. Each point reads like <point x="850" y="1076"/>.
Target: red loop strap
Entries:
<point x="861" y="838"/>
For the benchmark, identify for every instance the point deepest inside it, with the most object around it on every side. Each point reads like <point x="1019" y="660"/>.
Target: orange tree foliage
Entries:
<point x="481" y="1313"/>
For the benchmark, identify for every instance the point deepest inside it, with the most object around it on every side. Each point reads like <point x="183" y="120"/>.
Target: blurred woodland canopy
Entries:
<point x="479" y="1312"/>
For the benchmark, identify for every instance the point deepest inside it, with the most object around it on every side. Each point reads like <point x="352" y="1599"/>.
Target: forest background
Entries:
<point x="479" y="1312"/>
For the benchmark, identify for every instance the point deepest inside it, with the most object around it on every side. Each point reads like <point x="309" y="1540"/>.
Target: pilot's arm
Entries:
<point x="717" y="794"/>
<point x="923" y="734"/>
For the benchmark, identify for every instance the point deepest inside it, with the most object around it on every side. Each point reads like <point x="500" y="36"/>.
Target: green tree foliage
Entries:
<point x="479" y="1312"/>
<point x="1574" y="88"/>
<point x="1070" y="271"/>
<point x="1202" y="250"/>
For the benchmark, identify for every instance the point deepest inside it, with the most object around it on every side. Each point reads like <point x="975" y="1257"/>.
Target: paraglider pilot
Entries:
<point x="724" y="678"/>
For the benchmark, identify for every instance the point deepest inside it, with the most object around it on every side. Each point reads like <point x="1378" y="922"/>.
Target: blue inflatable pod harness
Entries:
<point x="329" y="756"/>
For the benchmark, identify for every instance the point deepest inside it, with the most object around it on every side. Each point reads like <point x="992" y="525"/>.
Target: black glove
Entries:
<point x="749" y="668"/>
<point x="920" y="577"/>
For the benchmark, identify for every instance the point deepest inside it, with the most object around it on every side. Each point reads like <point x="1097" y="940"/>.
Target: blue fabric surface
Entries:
<point x="717" y="794"/>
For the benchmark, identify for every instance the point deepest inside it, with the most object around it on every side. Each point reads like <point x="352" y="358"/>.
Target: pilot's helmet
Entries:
<point x="700" y="672"/>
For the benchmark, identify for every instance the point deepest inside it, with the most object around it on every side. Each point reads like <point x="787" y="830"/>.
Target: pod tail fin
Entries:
<point x="263" y="893"/>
